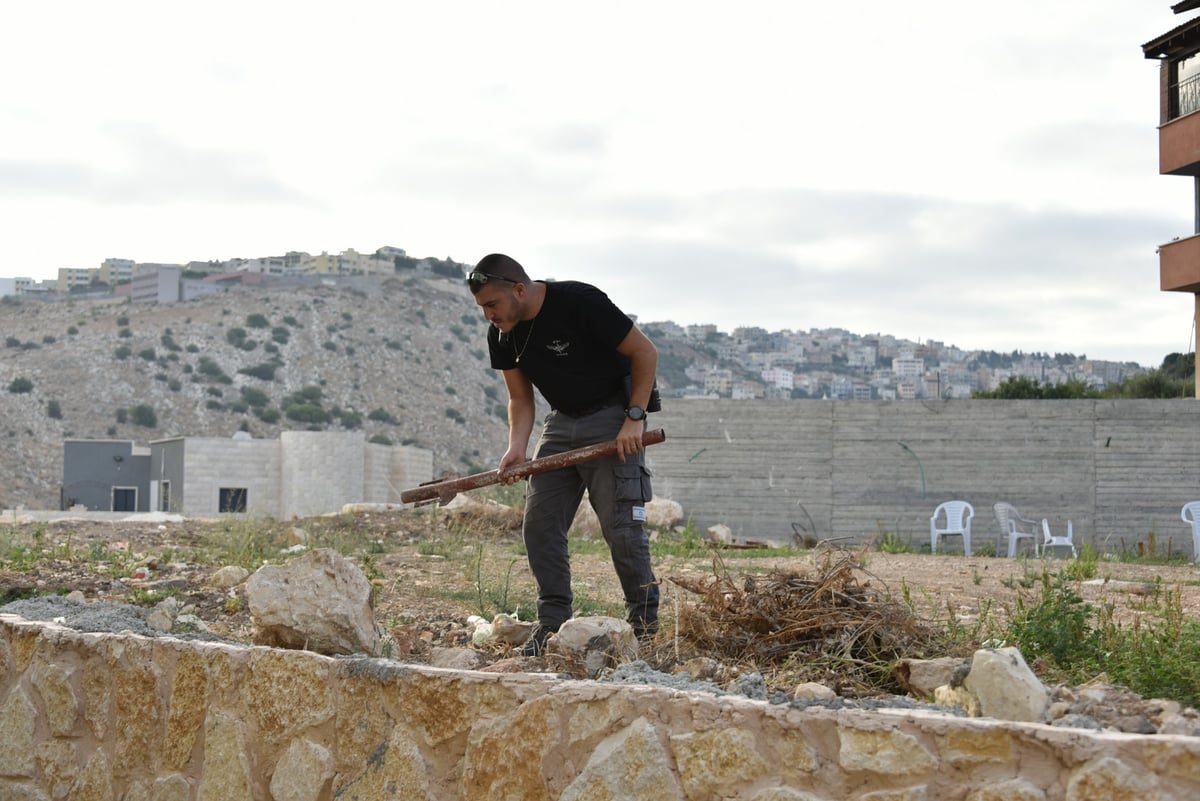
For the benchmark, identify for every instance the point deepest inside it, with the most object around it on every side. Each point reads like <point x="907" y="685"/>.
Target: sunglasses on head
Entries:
<point x="479" y="279"/>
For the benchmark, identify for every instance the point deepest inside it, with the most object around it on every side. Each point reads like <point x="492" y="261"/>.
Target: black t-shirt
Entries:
<point x="569" y="351"/>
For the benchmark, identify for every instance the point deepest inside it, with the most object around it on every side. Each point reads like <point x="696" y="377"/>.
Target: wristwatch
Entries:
<point x="635" y="413"/>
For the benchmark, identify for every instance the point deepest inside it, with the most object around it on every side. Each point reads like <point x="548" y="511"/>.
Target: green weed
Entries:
<point x="892" y="542"/>
<point x="1156" y="656"/>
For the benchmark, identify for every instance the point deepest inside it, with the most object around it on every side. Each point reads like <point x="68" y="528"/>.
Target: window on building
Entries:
<point x="231" y="499"/>
<point x="1185" y="94"/>
<point x="164" y="496"/>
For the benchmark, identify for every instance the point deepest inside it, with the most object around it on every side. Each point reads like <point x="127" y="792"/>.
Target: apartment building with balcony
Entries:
<point x="1178" y="54"/>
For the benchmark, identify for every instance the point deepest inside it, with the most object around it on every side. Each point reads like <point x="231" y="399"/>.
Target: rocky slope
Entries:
<point x="402" y="358"/>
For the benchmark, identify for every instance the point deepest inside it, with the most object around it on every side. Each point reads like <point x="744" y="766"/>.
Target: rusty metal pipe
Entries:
<point x="445" y="490"/>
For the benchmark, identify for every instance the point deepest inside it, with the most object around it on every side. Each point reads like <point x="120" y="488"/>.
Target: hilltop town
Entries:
<point x="698" y="360"/>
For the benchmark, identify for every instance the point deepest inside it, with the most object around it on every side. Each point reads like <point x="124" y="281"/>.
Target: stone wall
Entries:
<point x="250" y="464"/>
<point x="99" y="716"/>
<point x="853" y="470"/>
<point x="320" y="470"/>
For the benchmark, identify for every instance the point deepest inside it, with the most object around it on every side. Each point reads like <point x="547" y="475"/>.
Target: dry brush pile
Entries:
<point x="833" y="627"/>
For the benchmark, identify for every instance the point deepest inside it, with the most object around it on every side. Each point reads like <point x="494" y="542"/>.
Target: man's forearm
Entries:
<point x="520" y="424"/>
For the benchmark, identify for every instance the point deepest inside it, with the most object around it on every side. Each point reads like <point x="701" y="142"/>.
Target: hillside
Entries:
<point x="403" y="359"/>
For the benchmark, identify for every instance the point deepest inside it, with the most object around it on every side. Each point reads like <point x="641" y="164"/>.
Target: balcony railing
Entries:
<point x="1186" y="96"/>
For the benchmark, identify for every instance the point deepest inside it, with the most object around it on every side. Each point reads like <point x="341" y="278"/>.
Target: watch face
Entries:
<point x="635" y="412"/>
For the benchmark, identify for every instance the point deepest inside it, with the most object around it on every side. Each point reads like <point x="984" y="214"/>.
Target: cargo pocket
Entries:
<point x="632" y="491"/>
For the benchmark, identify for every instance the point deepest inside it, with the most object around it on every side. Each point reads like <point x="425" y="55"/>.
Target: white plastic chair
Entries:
<point x="1015" y="528"/>
<point x="958" y="516"/>
<point x="1191" y="515"/>
<point x="1050" y="541"/>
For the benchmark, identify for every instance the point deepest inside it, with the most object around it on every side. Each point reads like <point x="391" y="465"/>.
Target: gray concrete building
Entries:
<point x="302" y="473"/>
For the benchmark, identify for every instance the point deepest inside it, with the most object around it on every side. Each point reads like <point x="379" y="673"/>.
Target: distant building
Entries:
<point x="157" y="286"/>
<point x="302" y="473"/>
<point x="719" y="381"/>
<point x="908" y="368"/>
<point x="70" y="278"/>
<point x="783" y="379"/>
<point x="114" y="271"/>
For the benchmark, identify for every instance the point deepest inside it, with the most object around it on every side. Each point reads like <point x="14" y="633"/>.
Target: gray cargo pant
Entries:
<point x="617" y="491"/>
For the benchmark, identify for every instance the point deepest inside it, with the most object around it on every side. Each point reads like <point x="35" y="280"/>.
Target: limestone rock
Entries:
<point x="302" y="773"/>
<point x="661" y="513"/>
<point x="590" y="644"/>
<point x="961" y="697"/>
<point x="630" y="764"/>
<point x="922" y="676"/>
<point x="720" y="534"/>
<point x="229" y="576"/>
<point x="1005" y="686"/>
<point x="812" y="689"/>
<point x="507" y="629"/>
<point x="456" y="658"/>
<point x="318" y="602"/>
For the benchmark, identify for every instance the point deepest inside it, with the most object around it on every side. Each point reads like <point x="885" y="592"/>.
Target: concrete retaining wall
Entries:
<point x="102" y="716"/>
<point x="837" y="469"/>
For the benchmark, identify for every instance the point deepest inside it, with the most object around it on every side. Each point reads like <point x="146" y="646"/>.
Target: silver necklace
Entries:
<point x="528" y="334"/>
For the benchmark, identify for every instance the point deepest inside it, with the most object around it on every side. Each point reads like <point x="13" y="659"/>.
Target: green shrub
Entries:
<point x="148" y="354"/>
<point x="255" y="397"/>
<point x="381" y="416"/>
<point x="210" y="369"/>
<point x="263" y="372"/>
<point x="122" y="352"/>
<point x="20" y="385"/>
<point x="53" y="410"/>
<point x="268" y="416"/>
<point x="257" y="321"/>
<point x="143" y="415"/>
<point x="306" y="413"/>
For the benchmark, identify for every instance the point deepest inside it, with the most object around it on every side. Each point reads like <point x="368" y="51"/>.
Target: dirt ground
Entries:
<point x="434" y="568"/>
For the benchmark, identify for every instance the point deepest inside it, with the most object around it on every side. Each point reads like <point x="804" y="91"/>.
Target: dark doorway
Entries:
<point x="124" y="499"/>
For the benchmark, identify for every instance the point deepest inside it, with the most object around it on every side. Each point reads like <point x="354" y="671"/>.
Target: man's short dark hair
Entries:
<point x="504" y="267"/>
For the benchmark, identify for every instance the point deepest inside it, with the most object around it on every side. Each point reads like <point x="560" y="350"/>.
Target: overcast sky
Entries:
<point x="981" y="174"/>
